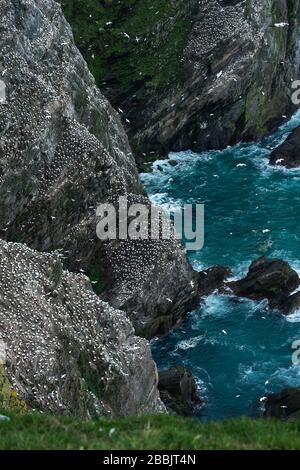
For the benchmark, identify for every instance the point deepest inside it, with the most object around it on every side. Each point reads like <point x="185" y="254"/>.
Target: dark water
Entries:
<point x="238" y="351"/>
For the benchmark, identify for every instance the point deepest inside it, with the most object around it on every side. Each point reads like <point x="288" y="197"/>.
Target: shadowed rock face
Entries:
<point x="63" y="150"/>
<point x="68" y="352"/>
<point x="212" y="279"/>
<point x="178" y="390"/>
<point x="189" y="74"/>
<point x="288" y="153"/>
<point x="284" y="405"/>
<point x="286" y="304"/>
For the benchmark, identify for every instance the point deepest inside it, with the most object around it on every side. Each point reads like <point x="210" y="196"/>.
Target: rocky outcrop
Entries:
<point x="178" y="390"/>
<point x="285" y="405"/>
<point x="68" y="352"/>
<point x="212" y="279"/>
<point x="270" y="279"/>
<point x="63" y="151"/>
<point x="266" y="279"/>
<point x="189" y="74"/>
<point x="286" y="304"/>
<point x="288" y="153"/>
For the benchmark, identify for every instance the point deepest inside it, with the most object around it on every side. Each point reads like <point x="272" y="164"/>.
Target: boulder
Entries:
<point x="212" y="279"/>
<point x="178" y="390"/>
<point x="267" y="279"/>
<point x="284" y="405"/>
<point x="288" y="153"/>
<point x="286" y="304"/>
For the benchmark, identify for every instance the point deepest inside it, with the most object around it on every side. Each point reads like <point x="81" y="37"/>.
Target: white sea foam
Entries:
<point x="189" y="343"/>
<point x="257" y="361"/>
<point x="288" y="376"/>
<point x="294" y="318"/>
<point x="214" y="305"/>
<point x="166" y="203"/>
<point x="199" y="266"/>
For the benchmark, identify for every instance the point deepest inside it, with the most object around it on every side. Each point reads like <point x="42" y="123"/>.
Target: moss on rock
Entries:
<point x="9" y="398"/>
<point x="131" y="42"/>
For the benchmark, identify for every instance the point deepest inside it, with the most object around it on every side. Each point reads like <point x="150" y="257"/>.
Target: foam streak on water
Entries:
<point x="238" y="350"/>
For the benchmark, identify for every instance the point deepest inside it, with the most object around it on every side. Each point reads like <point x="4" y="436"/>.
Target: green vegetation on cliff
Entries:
<point x="38" y="431"/>
<point x="188" y="74"/>
<point x="131" y="42"/>
<point x="9" y="398"/>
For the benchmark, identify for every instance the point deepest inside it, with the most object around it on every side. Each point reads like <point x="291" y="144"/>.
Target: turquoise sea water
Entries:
<point x="239" y="351"/>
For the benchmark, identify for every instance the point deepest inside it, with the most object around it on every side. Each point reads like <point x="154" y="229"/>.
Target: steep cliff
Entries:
<point x="63" y="150"/>
<point x="190" y="74"/>
<point x="67" y="352"/>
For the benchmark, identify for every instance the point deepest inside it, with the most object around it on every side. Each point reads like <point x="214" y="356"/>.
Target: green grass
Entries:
<point x="39" y="431"/>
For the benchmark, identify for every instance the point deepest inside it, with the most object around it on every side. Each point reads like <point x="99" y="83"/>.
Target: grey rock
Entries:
<point x="237" y="84"/>
<point x="270" y="279"/>
<point x="288" y="153"/>
<point x="166" y="292"/>
<point x="68" y="352"/>
<point x="178" y="390"/>
<point x="267" y="279"/>
<point x="230" y="78"/>
<point x="284" y="405"/>
<point x="63" y="151"/>
<point x="212" y="279"/>
<point x="286" y="304"/>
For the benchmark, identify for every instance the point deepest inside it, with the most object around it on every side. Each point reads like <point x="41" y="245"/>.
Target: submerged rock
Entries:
<point x="68" y="352"/>
<point x="178" y="390"/>
<point x="284" y="405"/>
<point x="288" y="153"/>
<point x="63" y="151"/>
<point x="192" y="74"/>
<point x="267" y="279"/>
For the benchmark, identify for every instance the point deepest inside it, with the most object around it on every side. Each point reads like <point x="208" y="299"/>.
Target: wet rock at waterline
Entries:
<point x="270" y="279"/>
<point x="288" y="153"/>
<point x="178" y="390"/>
<point x="212" y="279"/>
<point x="284" y="405"/>
<point x="286" y="304"/>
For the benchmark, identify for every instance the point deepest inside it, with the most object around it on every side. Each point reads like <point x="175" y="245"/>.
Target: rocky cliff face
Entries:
<point x="63" y="150"/>
<point x="67" y="351"/>
<point x="190" y="74"/>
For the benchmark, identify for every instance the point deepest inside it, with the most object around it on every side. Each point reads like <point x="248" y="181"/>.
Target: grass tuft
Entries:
<point x="39" y="431"/>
